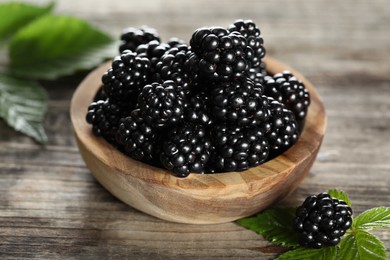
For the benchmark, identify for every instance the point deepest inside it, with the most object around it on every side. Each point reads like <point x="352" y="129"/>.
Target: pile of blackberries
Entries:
<point x="206" y="107"/>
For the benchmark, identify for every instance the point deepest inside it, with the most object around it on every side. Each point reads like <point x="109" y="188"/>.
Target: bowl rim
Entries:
<point x="309" y="140"/>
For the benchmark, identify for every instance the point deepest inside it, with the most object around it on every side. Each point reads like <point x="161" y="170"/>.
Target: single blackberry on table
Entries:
<point x="287" y="89"/>
<point x="161" y="105"/>
<point x="128" y="74"/>
<point x="223" y="55"/>
<point x="138" y="138"/>
<point x="176" y="65"/>
<point x="104" y="117"/>
<point x="322" y="220"/>
<point x="196" y="109"/>
<point x="185" y="149"/>
<point x="133" y="37"/>
<point x="239" y="102"/>
<point x="253" y="36"/>
<point x="282" y="128"/>
<point x="237" y="149"/>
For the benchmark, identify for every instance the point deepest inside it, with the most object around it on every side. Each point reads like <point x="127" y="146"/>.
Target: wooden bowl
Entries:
<point x="199" y="198"/>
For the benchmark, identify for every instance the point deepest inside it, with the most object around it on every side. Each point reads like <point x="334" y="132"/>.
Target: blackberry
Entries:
<point x="322" y="220"/>
<point x="239" y="102"/>
<point x="153" y="50"/>
<point x="197" y="109"/>
<point x="185" y="149"/>
<point x="124" y="80"/>
<point x="138" y="138"/>
<point x="161" y="105"/>
<point x="223" y="55"/>
<point x="253" y="36"/>
<point x="237" y="149"/>
<point x="282" y="128"/>
<point x="175" y="65"/>
<point x="133" y="37"/>
<point x="287" y="89"/>
<point x="104" y="117"/>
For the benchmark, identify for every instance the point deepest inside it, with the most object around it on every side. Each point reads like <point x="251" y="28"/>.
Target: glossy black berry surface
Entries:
<point x="223" y="55"/>
<point x="185" y="149"/>
<point x="287" y="89"/>
<point x="127" y="76"/>
<point x="322" y="220"/>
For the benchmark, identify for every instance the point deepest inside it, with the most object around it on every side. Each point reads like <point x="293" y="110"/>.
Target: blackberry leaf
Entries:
<point x="362" y="245"/>
<point x="23" y="105"/>
<point x="373" y="218"/>
<point x="340" y="195"/>
<point x="275" y="225"/>
<point x="325" y="253"/>
<point x="16" y="15"/>
<point x="40" y="49"/>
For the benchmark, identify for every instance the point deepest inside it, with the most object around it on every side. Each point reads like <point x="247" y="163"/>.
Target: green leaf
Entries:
<point x="15" y="15"/>
<point x="54" y="46"/>
<point x="362" y="245"/>
<point x="275" y="225"/>
<point x="325" y="253"/>
<point x="373" y="218"/>
<point x="340" y="195"/>
<point x="23" y="104"/>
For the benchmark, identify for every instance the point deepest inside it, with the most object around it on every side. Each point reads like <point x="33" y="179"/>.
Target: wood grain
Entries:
<point x="199" y="198"/>
<point x="51" y="207"/>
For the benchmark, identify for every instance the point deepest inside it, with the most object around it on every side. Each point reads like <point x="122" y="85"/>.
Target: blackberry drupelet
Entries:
<point x="239" y="102"/>
<point x="322" y="220"/>
<point x="104" y="117"/>
<point x="185" y="149"/>
<point x="253" y="36"/>
<point x="196" y="109"/>
<point x="287" y="89"/>
<point x="133" y="37"/>
<point x="257" y="74"/>
<point x="237" y="149"/>
<point x="282" y="128"/>
<point x="138" y="138"/>
<point x="223" y="55"/>
<point x="161" y="105"/>
<point x="176" y="65"/>
<point x="124" y="80"/>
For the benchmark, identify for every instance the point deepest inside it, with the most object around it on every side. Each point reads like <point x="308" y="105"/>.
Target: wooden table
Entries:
<point x="52" y="207"/>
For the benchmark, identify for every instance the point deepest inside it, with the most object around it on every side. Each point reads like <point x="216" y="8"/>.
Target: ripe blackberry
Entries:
<point x="175" y="65"/>
<point x="160" y="104"/>
<point x="124" y="80"/>
<point x="322" y="220"/>
<point x="138" y="138"/>
<point x="223" y="55"/>
<point x="196" y="109"/>
<point x="133" y="37"/>
<point x="253" y="36"/>
<point x="239" y="102"/>
<point x="153" y="50"/>
<point x="185" y="149"/>
<point x="282" y="128"/>
<point x="237" y="149"/>
<point x="287" y="89"/>
<point x="104" y="117"/>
